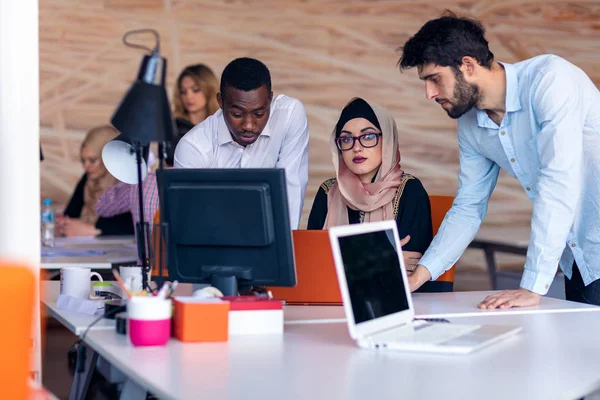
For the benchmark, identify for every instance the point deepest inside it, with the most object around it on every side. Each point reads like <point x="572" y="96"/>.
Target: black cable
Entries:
<point x="80" y="361"/>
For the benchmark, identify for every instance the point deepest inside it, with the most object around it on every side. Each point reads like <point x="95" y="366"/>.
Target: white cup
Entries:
<point x="76" y="282"/>
<point x="132" y="278"/>
<point x="107" y="290"/>
<point x="149" y="320"/>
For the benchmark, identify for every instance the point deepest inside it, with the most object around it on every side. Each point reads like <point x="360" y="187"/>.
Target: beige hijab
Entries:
<point x="374" y="199"/>
<point x="94" y="188"/>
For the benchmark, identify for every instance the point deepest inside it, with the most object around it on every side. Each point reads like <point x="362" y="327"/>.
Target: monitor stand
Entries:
<point x="226" y="278"/>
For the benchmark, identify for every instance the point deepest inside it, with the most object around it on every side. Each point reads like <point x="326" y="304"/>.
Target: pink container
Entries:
<point x="149" y="320"/>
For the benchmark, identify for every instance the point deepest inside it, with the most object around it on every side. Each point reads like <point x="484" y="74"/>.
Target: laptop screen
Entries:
<point x="373" y="274"/>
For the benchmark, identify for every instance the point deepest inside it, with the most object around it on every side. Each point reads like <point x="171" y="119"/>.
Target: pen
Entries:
<point x="173" y="287"/>
<point x="162" y="293"/>
<point x="121" y="284"/>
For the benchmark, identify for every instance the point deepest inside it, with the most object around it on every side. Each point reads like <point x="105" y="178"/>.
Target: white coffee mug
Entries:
<point x="132" y="278"/>
<point x="76" y="281"/>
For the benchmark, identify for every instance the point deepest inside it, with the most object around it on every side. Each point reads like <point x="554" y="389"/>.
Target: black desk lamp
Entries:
<point x="144" y="116"/>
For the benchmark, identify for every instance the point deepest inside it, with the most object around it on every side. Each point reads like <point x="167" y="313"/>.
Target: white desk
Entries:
<point x="427" y="305"/>
<point x="92" y="240"/>
<point x="90" y="252"/>
<point x="557" y="352"/>
<point x="439" y="305"/>
<point x="75" y="322"/>
<point x="556" y="357"/>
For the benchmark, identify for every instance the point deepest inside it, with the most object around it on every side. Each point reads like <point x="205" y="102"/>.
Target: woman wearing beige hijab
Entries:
<point x="80" y="218"/>
<point x="370" y="184"/>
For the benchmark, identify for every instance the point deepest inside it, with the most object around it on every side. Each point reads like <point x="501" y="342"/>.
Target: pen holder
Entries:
<point x="149" y="320"/>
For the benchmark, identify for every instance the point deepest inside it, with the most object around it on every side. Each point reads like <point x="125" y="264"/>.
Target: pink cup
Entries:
<point x="149" y="320"/>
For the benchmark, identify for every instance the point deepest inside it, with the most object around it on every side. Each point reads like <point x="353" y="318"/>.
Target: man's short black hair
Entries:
<point x="245" y="74"/>
<point x="445" y="41"/>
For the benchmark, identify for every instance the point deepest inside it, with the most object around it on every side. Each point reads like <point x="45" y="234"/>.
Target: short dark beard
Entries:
<point x="466" y="96"/>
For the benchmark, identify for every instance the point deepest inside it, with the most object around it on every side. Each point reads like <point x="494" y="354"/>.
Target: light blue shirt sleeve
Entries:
<point x="560" y="113"/>
<point x="476" y="181"/>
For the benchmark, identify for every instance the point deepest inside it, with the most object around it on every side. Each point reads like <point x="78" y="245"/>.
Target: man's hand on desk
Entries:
<point x="511" y="298"/>
<point x="418" y="277"/>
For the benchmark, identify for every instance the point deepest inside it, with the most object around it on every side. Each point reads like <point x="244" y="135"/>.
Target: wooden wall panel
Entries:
<point x="320" y="51"/>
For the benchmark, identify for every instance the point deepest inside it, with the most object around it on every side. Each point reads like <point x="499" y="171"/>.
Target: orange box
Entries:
<point x="196" y="320"/>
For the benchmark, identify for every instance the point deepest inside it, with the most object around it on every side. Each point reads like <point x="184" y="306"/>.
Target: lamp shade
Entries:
<point x="144" y="114"/>
<point x="118" y="157"/>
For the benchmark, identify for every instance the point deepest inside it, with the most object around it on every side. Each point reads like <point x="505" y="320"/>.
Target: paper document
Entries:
<point x="82" y="306"/>
<point x="49" y="252"/>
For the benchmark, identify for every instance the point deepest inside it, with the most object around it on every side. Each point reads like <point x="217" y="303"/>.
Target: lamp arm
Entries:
<point x="142" y="236"/>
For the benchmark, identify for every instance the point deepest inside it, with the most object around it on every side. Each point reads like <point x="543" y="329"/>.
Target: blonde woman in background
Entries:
<point x="80" y="217"/>
<point x="194" y="97"/>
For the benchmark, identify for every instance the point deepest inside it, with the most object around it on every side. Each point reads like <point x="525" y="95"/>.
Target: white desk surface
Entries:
<point x="556" y="352"/>
<point x="556" y="357"/>
<point x="427" y="305"/>
<point x="439" y="305"/>
<point x="90" y="252"/>
<point x="75" y="322"/>
<point x="93" y="240"/>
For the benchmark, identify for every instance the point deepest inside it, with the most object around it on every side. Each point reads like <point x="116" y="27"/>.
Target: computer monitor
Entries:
<point x="227" y="227"/>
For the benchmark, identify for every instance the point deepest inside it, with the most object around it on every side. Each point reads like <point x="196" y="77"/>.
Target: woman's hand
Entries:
<point x="75" y="227"/>
<point x="60" y="224"/>
<point x="411" y="258"/>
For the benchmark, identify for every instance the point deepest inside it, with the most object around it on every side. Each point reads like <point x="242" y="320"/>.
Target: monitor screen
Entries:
<point x="373" y="275"/>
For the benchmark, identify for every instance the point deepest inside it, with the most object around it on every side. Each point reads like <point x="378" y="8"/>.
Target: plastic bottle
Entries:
<point x="48" y="224"/>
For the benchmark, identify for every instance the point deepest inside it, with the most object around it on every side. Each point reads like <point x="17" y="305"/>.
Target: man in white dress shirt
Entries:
<point x="252" y="130"/>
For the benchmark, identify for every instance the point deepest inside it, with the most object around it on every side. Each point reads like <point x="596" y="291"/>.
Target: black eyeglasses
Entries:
<point x="367" y="140"/>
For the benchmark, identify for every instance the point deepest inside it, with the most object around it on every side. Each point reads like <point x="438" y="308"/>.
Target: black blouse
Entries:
<point x="413" y="218"/>
<point x="121" y="224"/>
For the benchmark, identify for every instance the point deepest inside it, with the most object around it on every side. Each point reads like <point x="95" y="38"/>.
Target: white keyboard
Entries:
<point x="425" y="333"/>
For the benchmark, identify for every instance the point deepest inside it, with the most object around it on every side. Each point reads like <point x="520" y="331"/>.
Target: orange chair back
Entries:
<point x="439" y="207"/>
<point x="315" y="271"/>
<point x="159" y="249"/>
<point x="17" y="285"/>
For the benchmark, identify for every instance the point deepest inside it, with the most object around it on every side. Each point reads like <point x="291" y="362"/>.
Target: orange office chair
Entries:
<point x="439" y="207"/>
<point x="315" y="271"/>
<point x="16" y="296"/>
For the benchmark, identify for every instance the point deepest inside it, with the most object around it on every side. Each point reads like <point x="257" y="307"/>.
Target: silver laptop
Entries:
<point x="377" y="299"/>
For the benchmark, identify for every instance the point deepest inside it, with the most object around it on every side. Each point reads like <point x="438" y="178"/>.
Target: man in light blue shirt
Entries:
<point x="539" y="120"/>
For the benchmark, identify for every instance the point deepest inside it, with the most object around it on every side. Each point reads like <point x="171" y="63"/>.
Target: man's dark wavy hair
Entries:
<point x="444" y="42"/>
